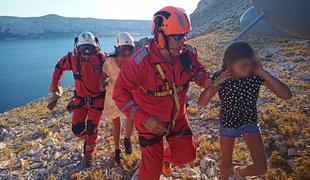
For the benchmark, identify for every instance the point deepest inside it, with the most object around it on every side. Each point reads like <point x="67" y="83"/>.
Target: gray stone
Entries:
<point x="33" y="136"/>
<point x="3" y="133"/>
<point x="291" y="162"/>
<point x="281" y="148"/>
<point x="306" y="77"/>
<point x="268" y="57"/>
<point x="291" y="152"/>
<point x="2" y="145"/>
<point x="194" y="173"/>
<point x="299" y="59"/>
<point x="30" y="153"/>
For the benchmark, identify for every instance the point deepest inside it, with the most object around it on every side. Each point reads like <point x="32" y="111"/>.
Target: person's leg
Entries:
<point x="116" y="137"/>
<point x="152" y="161"/>
<point x="93" y="118"/>
<point x="129" y="127"/>
<point x="78" y="122"/>
<point x="127" y="141"/>
<point x="116" y="131"/>
<point x="256" y="146"/>
<point x="181" y="150"/>
<point x="227" y="145"/>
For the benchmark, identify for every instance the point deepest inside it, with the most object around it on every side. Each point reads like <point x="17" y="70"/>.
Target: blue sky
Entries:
<point x="103" y="9"/>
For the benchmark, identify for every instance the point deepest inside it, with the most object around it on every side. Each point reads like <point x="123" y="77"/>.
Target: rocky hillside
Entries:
<point x="211" y="15"/>
<point x="52" y="26"/>
<point x="36" y="143"/>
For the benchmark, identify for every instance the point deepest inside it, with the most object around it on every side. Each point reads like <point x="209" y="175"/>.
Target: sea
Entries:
<point x="26" y="68"/>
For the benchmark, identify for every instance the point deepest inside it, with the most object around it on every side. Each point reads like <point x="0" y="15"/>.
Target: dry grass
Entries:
<point x="290" y="120"/>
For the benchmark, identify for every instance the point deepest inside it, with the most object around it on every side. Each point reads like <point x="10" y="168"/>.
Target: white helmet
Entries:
<point x="124" y="38"/>
<point x="87" y="38"/>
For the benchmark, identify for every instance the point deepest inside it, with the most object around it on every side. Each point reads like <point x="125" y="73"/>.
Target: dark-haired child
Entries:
<point x="238" y="85"/>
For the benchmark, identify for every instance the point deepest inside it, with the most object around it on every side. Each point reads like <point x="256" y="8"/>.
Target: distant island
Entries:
<point x="54" y="26"/>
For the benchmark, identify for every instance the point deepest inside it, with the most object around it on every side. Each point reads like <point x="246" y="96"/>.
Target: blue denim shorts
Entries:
<point x="237" y="132"/>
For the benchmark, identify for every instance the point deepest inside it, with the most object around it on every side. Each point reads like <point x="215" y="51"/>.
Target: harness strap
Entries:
<point x="101" y="61"/>
<point x="144" y="142"/>
<point x="164" y="93"/>
<point x="187" y="65"/>
<point x="174" y="90"/>
<point x="149" y="142"/>
<point x="177" y="108"/>
<point x="186" y="132"/>
<point x="78" y="76"/>
<point x="69" y="59"/>
<point x="85" y="100"/>
<point x="162" y="75"/>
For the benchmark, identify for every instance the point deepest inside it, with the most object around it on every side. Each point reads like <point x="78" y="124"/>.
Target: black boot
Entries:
<point x="128" y="147"/>
<point x="118" y="156"/>
<point x="88" y="161"/>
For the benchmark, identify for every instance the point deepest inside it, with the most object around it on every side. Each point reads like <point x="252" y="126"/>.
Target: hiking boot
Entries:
<point x="128" y="147"/>
<point x="88" y="161"/>
<point x="118" y="156"/>
<point x="167" y="171"/>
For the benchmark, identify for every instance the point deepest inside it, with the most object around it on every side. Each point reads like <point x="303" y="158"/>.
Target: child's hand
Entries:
<point x="224" y="76"/>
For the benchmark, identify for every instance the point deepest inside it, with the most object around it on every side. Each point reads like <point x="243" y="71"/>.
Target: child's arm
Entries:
<point x="205" y="97"/>
<point x="275" y="85"/>
<point x="104" y="77"/>
<point x="207" y="94"/>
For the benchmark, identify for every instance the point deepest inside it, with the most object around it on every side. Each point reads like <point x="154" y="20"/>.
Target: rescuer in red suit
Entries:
<point x="86" y="64"/>
<point x="151" y="90"/>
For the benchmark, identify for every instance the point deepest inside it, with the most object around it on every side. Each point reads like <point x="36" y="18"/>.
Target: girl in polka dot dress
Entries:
<point x="238" y="86"/>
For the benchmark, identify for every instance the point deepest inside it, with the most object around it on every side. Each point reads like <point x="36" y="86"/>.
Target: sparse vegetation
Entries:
<point x="43" y="139"/>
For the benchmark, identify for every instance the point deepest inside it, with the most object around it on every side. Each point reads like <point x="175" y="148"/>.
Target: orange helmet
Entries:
<point x="169" y="21"/>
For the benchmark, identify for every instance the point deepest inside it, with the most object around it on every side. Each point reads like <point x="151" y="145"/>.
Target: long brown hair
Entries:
<point x="235" y="52"/>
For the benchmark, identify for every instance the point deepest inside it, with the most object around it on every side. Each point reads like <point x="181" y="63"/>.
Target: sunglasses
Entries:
<point x="87" y="49"/>
<point x="178" y="37"/>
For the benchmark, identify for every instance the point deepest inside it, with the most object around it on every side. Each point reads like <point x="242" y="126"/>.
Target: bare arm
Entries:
<point x="275" y="85"/>
<point x="205" y="97"/>
<point x="207" y="94"/>
<point x="104" y="76"/>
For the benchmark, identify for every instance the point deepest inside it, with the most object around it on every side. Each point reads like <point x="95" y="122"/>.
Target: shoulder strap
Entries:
<point x="78" y="64"/>
<point x="100" y="59"/>
<point x="162" y="75"/>
<point x="69" y="59"/>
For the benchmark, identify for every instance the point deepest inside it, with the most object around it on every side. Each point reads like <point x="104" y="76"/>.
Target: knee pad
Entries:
<point x="78" y="128"/>
<point x="91" y="128"/>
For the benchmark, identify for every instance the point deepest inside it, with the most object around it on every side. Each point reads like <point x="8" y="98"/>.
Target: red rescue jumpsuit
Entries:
<point x="139" y="106"/>
<point x="88" y="100"/>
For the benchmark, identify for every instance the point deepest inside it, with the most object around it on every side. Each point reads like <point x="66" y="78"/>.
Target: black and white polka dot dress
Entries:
<point x="238" y="101"/>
